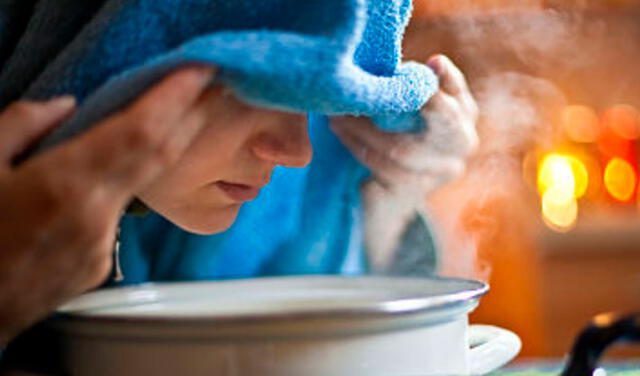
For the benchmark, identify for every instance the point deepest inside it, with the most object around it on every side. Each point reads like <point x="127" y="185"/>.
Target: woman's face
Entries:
<point x="228" y="164"/>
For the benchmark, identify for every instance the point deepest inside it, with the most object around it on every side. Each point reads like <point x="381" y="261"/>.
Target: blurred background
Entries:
<point x="548" y="211"/>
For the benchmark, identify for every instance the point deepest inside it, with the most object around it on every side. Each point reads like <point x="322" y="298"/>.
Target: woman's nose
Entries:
<point x="286" y="143"/>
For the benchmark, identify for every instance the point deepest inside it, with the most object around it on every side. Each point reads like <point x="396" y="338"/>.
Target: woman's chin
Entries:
<point x="210" y="224"/>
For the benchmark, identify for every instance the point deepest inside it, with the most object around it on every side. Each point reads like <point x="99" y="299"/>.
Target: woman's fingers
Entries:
<point x="400" y="146"/>
<point x="453" y="82"/>
<point x="415" y="152"/>
<point x="451" y="129"/>
<point x="394" y="176"/>
<point x="128" y="149"/>
<point x="416" y="164"/>
<point x="24" y="122"/>
<point x="389" y="174"/>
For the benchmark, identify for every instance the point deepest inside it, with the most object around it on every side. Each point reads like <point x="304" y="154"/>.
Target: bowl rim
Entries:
<point x="464" y="300"/>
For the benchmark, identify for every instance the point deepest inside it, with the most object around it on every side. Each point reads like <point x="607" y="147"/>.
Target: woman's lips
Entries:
<point x="238" y="192"/>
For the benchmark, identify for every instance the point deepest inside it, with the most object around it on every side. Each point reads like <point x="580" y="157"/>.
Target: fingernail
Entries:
<point x="63" y="102"/>
<point x="435" y="63"/>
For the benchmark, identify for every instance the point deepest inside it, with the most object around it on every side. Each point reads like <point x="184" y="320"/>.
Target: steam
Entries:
<point x="517" y="112"/>
<point x="490" y="209"/>
<point x="539" y="40"/>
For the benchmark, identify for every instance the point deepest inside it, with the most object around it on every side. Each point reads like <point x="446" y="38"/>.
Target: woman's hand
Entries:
<point x="416" y="164"/>
<point x="59" y="210"/>
<point x="407" y="167"/>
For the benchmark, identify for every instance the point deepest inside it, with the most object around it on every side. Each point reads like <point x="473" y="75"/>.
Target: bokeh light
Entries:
<point x="623" y="120"/>
<point x="555" y="171"/>
<point x="562" y="179"/>
<point x="580" y="176"/>
<point x="611" y="145"/>
<point x="620" y="179"/>
<point x="581" y="123"/>
<point x="559" y="213"/>
<point x="566" y="174"/>
<point x="594" y="175"/>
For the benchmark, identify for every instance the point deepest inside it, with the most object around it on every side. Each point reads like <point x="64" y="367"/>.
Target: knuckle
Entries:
<point x="187" y="83"/>
<point x="472" y="140"/>
<point x="141" y="131"/>
<point x="458" y="78"/>
<point x="163" y="155"/>
<point x="452" y="170"/>
<point x="24" y="110"/>
<point x="472" y="106"/>
<point x="154" y="162"/>
<point x="475" y="109"/>
<point x="456" y="169"/>
<point x="57" y="193"/>
<point x="366" y="155"/>
<point x="434" y="102"/>
<point x="168" y="151"/>
<point x="453" y="74"/>
<point x="443" y="107"/>
<point x="400" y="150"/>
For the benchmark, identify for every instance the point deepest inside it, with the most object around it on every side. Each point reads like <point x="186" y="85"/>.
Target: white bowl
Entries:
<point x="322" y="325"/>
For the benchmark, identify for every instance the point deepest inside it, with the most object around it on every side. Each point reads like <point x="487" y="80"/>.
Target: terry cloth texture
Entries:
<point x="322" y="56"/>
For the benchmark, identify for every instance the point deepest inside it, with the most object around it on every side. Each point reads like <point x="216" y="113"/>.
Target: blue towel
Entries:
<point x="324" y="57"/>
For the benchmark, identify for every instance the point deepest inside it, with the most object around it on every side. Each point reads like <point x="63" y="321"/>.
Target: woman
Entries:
<point x="231" y="160"/>
<point x="319" y="213"/>
<point x="320" y="219"/>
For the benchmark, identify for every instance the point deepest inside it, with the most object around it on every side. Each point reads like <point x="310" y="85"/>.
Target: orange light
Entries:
<point x="620" y="179"/>
<point x="581" y="123"/>
<point x="622" y="119"/>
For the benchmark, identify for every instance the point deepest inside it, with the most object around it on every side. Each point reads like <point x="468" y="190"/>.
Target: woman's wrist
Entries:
<point x="387" y="217"/>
